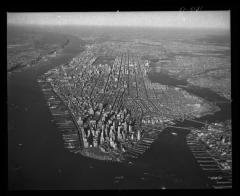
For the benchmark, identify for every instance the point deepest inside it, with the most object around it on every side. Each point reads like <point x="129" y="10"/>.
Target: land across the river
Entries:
<point x="37" y="159"/>
<point x="20" y="66"/>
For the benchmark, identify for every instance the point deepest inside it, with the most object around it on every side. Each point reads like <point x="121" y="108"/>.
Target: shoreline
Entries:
<point x="79" y="162"/>
<point x="213" y="107"/>
<point x="39" y="58"/>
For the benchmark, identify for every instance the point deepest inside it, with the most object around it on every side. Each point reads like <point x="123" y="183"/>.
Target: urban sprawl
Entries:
<point x="108" y="109"/>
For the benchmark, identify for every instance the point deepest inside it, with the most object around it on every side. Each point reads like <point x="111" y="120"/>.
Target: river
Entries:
<point x="38" y="160"/>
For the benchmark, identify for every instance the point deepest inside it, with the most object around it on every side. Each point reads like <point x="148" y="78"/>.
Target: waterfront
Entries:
<point x="37" y="158"/>
<point x="223" y="103"/>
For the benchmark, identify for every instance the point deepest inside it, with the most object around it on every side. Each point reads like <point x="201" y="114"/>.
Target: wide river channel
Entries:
<point x="37" y="158"/>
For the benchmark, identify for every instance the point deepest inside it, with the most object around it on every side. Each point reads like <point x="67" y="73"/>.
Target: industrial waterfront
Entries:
<point x="119" y="100"/>
<point x="38" y="160"/>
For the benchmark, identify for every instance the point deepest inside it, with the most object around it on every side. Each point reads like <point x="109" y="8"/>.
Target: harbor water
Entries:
<point x="37" y="158"/>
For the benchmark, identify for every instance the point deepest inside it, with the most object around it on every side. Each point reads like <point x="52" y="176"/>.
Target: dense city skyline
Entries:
<point x="119" y="101"/>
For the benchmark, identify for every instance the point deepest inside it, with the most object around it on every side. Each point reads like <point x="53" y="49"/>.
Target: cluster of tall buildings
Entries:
<point x="108" y="129"/>
<point x="80" y="84"/>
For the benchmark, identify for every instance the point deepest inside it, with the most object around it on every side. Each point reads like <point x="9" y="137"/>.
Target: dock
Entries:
<point x="219" y="178"/>
<point x="63" y="119"/>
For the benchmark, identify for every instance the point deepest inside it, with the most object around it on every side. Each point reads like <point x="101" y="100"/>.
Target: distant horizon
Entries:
<point x="171" y="19"/>
<point x="107" y="26"/>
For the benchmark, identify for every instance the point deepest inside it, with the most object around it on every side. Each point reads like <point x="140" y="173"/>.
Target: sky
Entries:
<point x="182" y="19"/>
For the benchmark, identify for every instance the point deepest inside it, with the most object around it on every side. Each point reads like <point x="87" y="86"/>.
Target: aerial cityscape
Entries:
<point x="126" y="100"/>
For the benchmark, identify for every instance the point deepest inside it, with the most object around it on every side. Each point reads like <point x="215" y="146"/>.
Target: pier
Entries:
<point x="219" y="178"/>
<point x="63" y="118"/>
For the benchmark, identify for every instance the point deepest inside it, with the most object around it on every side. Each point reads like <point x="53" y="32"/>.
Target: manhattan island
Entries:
<point x="107" y="108"/>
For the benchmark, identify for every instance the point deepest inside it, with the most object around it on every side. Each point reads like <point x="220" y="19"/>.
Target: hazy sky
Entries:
<point x="189" y="19"/>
